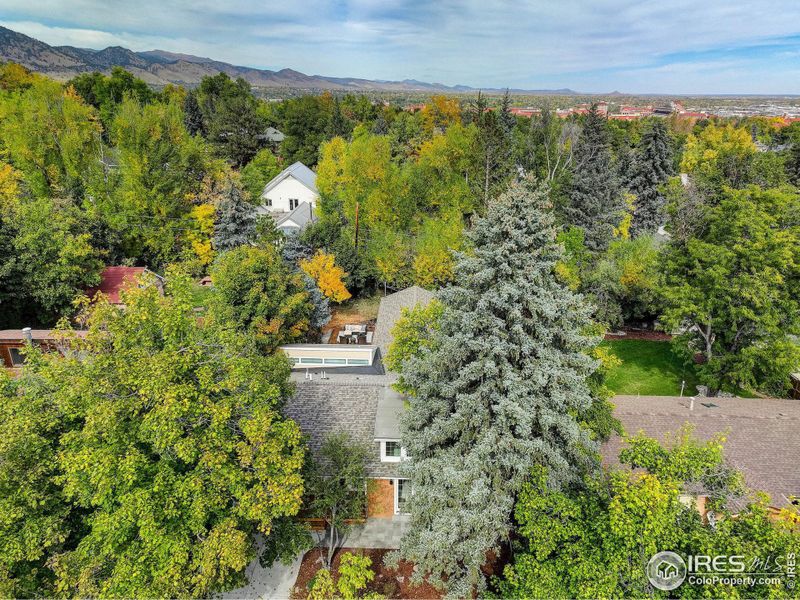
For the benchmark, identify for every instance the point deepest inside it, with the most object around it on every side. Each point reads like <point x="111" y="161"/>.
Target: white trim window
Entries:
<point x="392" y="451"/>
<point x="402" y="491"/>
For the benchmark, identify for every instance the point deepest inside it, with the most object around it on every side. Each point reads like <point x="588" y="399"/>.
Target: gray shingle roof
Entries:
<point x="324" y="407"/>
<point x="763" y="441"/>
<point x="391" y="405"/>
<point x="302" y="216"/>
<point x="390" y="309"/>
<point x="297" y="170"/>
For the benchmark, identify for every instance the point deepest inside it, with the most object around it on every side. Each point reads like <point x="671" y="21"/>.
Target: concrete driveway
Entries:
<point x="266" y="584"/>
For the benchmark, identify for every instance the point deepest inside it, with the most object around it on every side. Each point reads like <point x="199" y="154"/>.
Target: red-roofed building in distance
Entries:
<point x="114" y="279"/>
<point x="525" y="112"/>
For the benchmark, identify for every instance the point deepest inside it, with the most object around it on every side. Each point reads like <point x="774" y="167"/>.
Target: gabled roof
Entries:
<point x="273" y="135"/>
<point x="300" y="172"/>
<point x="389" y="312"/>
<point x="301" y="216"/>
<point x="113" y="280"/>
<point x="321" y="408"/>
<point x="762" y="434"/>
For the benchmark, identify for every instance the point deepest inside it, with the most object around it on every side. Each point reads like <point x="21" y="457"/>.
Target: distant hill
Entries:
<point x="158" y="67"/>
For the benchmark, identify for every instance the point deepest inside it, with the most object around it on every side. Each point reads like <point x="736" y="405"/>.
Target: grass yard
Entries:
<point x="649" y="369"/>
<point x="355" y="311"/>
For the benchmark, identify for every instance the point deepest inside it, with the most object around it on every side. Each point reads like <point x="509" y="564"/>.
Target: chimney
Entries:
<point x="27" y="335"/>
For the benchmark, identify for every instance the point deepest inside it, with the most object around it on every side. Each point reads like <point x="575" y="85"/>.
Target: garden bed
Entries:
<point x="392" y="583"/>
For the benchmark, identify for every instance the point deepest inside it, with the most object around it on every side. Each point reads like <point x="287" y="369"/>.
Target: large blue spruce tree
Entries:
<point x="503" y="387"/>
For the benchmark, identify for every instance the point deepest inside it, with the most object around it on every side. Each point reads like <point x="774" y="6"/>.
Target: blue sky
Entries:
<point x="665" y="46"/>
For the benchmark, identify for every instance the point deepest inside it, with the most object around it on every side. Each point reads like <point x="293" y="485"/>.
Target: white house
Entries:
<point x="290" y="188"/>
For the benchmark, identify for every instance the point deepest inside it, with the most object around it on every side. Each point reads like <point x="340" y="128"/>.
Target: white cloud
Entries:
<point x="598" y="45"/>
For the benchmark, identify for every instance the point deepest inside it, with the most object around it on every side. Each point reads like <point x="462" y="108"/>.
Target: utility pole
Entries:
<point x="356" y="227"/>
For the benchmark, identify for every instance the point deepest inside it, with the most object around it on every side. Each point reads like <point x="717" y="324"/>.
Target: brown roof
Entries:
<point x="763" y="434"/>
<point x="113" y="280"/>
<point x="15" y="335"/>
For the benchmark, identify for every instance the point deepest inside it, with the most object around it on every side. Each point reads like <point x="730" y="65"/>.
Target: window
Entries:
<point x="335" y="361"/>
<point x="310" y="361"/>
<point x="293" y="203"/>
<point x="402" y="491"/>
<point x="17" y="359"/>
<point x="392" y="451"/>
<point x="357" y="361"/>
<point x="268" y="202"/>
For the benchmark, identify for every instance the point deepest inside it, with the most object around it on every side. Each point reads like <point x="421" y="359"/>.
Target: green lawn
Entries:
<point x="649" y="369"/>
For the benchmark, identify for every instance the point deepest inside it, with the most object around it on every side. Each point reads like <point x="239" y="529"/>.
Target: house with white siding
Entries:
<point x="290" y="188"/>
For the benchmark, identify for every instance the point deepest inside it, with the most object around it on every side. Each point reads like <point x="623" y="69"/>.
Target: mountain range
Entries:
<point x="159" y="67"/>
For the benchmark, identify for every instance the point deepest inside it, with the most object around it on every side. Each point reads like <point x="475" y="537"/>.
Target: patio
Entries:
<point x="374" y="533"/>
<point x="352" y="333"/>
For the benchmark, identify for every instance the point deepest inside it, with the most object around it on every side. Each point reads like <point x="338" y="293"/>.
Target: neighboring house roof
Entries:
<point x="350" y="406"/>
<point x="273" y="135"/>
<point x="296" y="219"/>
<point x="300" y="172"/>
<point x="390" y="309"/>
<point x="17" y="335"/>
<point x="113" y="280"/>
<point x="762" y="434"/>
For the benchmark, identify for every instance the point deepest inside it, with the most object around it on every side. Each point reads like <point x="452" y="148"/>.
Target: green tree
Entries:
<point x="304" y="122"/>
<point x="36" y="516"/>
<point x="258" y="173"/>
<point x="192" y="115"/>
<point x="595" y="541"/>
<point x="411" y="335"/>
<point x="54" y="259"/>
<point x="231" y="118"/>
<point x="354" y="574"/>
<point x="734" y="290"/>
<point x="106" y="93"/>
<point x="336" y="484"/>
<point x="651" y="170"/>
<point x="162" y="170"/>
<point x="719" y="154"/>
<point x="624" y="284"/>
<point x="500" y="390"/>
<point x="52" y="137"/>
<point x="165" y="438"/>
<point x="255" y="289"/>
<point x="595" y="201"/>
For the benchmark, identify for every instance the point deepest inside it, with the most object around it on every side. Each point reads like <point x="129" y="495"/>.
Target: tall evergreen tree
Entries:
<point x="235" y="223"/>
<point x="501" y="388"/>
<point x="651" y="169"/>
<point x="192" y="116"/>
<point x="339" y="125"/>
<point x="595" y="199"/>
<point x="793" y="163"/>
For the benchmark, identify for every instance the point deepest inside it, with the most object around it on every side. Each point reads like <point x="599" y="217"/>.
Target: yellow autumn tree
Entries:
<point x="322" y="268"/>
<point x="441" y="112"/>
